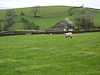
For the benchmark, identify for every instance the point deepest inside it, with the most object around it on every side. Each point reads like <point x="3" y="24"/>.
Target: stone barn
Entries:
<point x="65" y="25"/>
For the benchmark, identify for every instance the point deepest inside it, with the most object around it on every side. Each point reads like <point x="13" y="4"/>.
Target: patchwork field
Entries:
<point x="50" y="54"/>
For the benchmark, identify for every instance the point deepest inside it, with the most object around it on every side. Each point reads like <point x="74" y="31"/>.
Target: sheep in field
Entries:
<point x="68" y="35"/>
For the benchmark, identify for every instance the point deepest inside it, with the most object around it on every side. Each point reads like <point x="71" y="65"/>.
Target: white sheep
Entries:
<point x="68" y="35"/>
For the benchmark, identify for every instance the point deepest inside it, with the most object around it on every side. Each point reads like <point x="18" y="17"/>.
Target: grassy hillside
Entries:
<point x="50" y="55"/>
<point x="50" y="15"/>
<point x="44" y="11"/>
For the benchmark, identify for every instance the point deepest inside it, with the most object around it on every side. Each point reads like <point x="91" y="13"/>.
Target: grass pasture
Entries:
<point x="50" y="54"/>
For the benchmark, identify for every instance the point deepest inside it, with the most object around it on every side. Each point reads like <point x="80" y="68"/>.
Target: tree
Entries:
<point x="9" y="18"/>
<point x="85" y="22"/>
<point x="0" y="27"/>
<point x="36" y="27"/>
<point x="22" y="14"/>
<point x="29" y="25"/>
<point x="10" y="13"/>
<point x="35" y="10"/>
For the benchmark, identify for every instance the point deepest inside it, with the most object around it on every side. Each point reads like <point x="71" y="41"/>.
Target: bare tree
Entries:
<point x="35" y="10"/>
<point x="85" y="22"/>
<point x="9" y="18"/>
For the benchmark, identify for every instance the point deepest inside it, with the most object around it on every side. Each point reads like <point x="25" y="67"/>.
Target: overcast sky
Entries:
<point x="28" y="3"/>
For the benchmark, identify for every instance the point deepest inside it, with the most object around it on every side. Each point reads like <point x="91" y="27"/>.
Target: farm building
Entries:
<point x="65" y="25"/>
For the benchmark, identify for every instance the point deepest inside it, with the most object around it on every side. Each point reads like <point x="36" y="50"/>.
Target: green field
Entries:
<point x="50" y="54"/>
<point x="50" y="16"/>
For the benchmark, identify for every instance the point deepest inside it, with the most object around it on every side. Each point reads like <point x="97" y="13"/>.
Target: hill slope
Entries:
<point x="49" y="15"/>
